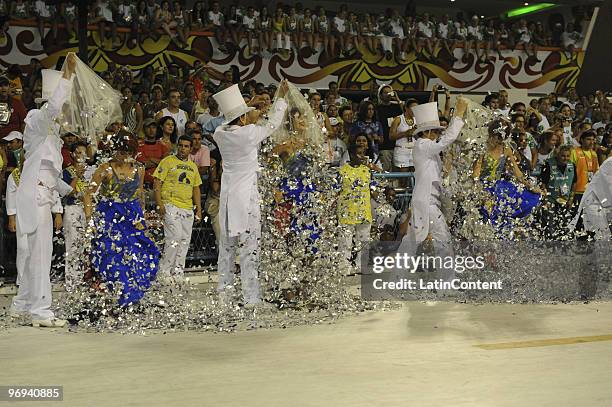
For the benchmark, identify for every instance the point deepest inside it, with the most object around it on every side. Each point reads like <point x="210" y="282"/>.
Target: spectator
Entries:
<point x="558" y="179"/>
<point x="104" y="19"/>
<point x="126" y="18"/>
<point x="335" y="149"/>
<point x="157" y="104"/>
<point x="133" y="116"/>
<point x="345" y="114"/>
<point x="19" y="10"/>
<point x="291" y="27"/>
<point x="150" y="151"/>
<point x="199" y="154"/>
<point x="68" y="139"/>
<point x="524" y="38"/>
<point x="198" y="16"/>
<point x="69" y="13"/>
<point x="401" y="132"/>
<point x="367" y="124"/>
<point x="189" y="97"/>
<point x="233" y="26"/>
<point x="264" y="26"/>
<point x="389" y="107"/>
<point x="216" y="22"/>
<point x="426" y="31"/>
<point x="45" y="14"/>
<point x="306" y="30"/>
<point x="167" y="22"/>
<point x="249" y="24"/>
<point x="544" y="152"/>
<point x="177" y="191"/>
<point x="474" y="38"/>
<point x="279" y="31"/>
<point x="15" y="113"/>
<point x="446" y="33"/>
<point x="200" y="107"/>
<point x="212" y="112"/>
<point x="570" y="39"/>
<point x="144" y="22"/>
<point x="323" y="30"/>
<point x="173" y="110"/>
<point x="585" y="160"/>
<point x="354" y="208"/>
<point x="167" y="133"/>
<point x="14" y="153"/>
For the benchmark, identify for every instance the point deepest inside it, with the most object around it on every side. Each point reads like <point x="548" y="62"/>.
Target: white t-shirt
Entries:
<point x="543" y="125"/>
<point x="443" y="30"/>
<point x="180" y="118"/>
<point x="125" y="11"/>
<point x="426" y="29"/>
<point x="249" y="22"/>
<point x="525" y="36"/>
<point x="42" y="9"/>
<point x="572" y="38"/>
<point x="340" y="24"/>
<point x="475" y="31"/>
<point x="215" y="18"/>
<point x="105" y="10"/>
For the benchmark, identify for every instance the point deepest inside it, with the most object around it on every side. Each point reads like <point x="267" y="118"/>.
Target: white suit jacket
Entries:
<point x="598" y="192"/>
<point x="428" y="169"/>
<point x="239" y="145"/>
<point x="41" y="142"/>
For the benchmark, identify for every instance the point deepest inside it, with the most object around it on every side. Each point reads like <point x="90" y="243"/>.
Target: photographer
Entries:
<point x="389" y="107"/>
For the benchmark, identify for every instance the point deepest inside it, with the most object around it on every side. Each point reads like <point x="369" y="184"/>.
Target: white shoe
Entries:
<point x="49" y="323"/>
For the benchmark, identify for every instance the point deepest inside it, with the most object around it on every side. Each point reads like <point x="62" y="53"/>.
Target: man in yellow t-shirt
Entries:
<point x="177" y="190"/>
<point x="354" y="208"/>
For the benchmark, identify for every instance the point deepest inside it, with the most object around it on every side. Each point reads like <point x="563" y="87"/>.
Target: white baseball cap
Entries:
<point x="14" y="135"/>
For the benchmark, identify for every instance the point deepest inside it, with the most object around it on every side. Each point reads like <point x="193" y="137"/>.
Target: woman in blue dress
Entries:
<point x="122" y="256"/>
<point x="512" y="197"/>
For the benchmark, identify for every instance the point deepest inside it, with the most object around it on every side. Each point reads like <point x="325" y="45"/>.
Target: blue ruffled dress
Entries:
<point x="122" y="255"/>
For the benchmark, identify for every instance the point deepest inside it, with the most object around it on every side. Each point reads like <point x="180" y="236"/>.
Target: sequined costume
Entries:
<point x="122" y="255"/>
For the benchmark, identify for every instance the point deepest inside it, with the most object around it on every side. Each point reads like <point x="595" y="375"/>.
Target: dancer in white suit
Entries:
<point x="596" y="204"/>
<point x="427" y="220"/>
<point x="36" y="194"/>
<point x="239" y="213"/>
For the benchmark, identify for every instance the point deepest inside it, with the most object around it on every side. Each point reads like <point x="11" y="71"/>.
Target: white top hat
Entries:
<point x="14" y="135"/>
<point x="50" y="80"/>
<point x="231" y="103"/>
<point x="426" y="117"/>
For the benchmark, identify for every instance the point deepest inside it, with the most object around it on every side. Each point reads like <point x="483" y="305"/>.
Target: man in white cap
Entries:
<point x="15" y="150"/>
<point x="427" y="222"/>
<point x="37" y="192"/>
<point x="239" y="213"/>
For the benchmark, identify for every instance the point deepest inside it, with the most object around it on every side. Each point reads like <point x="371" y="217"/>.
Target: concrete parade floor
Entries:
<point x="423" y="354"/>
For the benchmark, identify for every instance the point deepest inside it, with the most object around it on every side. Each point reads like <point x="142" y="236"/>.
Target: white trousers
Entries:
<point x="596" y="220"/>
<point x="34" y="293"/>
<point x="441" y="239"/>
<point x="178" y="225"/>
<point x="354" y="237"/>
<point x="247" y="246"/>
<point x="74" y="237"/>
<point x="386" y="43"/>
<point x="22" y="254"/>
<point x="279" y="41"/>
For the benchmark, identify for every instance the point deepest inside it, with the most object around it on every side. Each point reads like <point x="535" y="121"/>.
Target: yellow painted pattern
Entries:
<point x="545" y="342"/>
